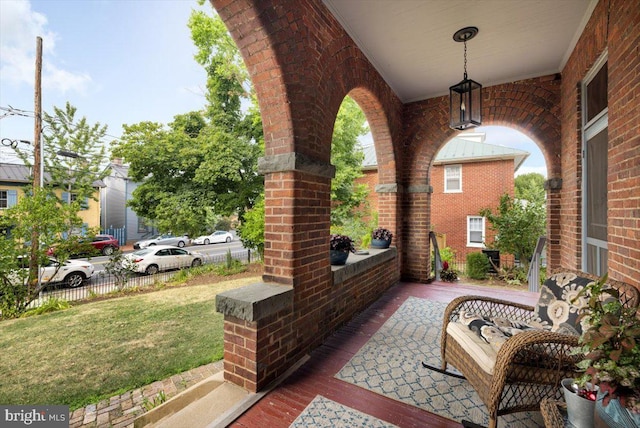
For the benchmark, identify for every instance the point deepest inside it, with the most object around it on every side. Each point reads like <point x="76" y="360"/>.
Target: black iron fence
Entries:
<point x="459" y="262"/>
<point x="103" y="283"/>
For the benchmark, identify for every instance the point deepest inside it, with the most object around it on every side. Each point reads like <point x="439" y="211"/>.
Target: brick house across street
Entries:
<point x="468" y="174"/>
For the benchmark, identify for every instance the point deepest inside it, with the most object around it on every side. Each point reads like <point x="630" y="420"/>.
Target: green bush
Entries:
<point x="477" y="266"/>
<point x="447" y="254"/>
<point x="51" y="305"/>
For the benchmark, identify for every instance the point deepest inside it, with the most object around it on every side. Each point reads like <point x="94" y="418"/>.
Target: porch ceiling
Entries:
<point x="410" y="41"/>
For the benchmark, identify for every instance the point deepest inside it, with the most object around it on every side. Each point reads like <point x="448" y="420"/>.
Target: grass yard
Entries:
<point x="96" y="350"/>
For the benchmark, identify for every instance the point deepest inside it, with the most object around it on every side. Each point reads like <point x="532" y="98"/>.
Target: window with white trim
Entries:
<point x="452" y="178"/>
<point x="8" y="198"/>
<point x="475" y="231"/>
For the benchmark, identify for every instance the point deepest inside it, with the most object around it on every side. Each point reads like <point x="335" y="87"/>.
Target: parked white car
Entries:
<point x="72" y="273"/>
<point x="216" y="237"/>
<point x="156" y="258"/>
<point x="166" y="239"/>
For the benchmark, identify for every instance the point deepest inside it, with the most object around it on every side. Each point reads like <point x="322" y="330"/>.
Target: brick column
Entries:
<point x="416" y="225"/>
<point x="553" y="187"/>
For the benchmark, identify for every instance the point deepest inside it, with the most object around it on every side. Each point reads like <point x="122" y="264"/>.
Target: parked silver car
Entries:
<point x="165" y="239"/>
<point x="156" y="258"/>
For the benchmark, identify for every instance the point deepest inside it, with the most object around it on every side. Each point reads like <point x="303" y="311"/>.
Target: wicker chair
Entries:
<point x="529" y="365"/>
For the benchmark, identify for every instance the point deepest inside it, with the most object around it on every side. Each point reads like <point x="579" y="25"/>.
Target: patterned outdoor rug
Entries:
<point x="390" y="364"/>
<point x="322" y="412"/>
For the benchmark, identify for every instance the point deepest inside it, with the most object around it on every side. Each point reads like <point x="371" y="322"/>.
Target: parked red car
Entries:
<point x="104" y="244"/>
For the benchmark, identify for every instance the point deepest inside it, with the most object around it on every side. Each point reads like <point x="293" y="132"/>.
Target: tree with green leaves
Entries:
<point x="40" y="211"/>
<point x="251" y="230"/>
<point x="165" y="160"/>
<point x="348" y="199"/>
<point x="74" y="153"/>
<point x="530" y="187"/>
<point x="518" y="225"/>
<point x="204" y="164"/>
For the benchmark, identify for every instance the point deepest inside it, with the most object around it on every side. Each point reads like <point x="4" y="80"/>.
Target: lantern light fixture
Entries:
<point x="465" y="98"/>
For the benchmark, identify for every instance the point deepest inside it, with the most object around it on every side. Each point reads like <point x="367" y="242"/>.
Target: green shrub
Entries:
<point x="477" y="265"/>
<point x="447" y="254"/>
<point x="231" y="267"/>
<point x="51" y="305"/>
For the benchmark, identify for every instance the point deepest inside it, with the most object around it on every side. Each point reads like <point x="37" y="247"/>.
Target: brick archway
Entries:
<point x="531" y="106"/>
<point x="300" y="90"/>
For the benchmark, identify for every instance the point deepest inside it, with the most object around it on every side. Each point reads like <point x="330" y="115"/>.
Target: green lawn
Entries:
<point x="93" y="351"/>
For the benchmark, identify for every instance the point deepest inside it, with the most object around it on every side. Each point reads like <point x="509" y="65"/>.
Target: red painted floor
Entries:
<point x="281" y="406"/>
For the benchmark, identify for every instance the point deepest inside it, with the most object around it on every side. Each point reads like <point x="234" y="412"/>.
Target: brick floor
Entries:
<point x="120" y="411"/>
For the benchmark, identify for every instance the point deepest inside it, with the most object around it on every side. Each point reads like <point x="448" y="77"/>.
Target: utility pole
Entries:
<point x="38" y="173"/>
<point x="37" y="149"/>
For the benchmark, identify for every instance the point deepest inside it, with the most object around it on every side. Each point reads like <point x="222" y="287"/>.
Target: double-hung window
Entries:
<point x="8" y="198"/>
<point x="452" y="178"/>
<point x="475" y="231"/>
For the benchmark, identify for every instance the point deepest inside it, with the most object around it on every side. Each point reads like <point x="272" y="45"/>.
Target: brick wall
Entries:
<point x="614" y="26"/>
<point x="483" y="183"/>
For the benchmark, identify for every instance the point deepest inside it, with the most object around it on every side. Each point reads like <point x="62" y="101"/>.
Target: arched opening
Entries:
<point x="475" y="184"/>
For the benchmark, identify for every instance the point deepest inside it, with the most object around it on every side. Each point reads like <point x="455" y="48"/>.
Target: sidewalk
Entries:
<point x="120" y="410"/>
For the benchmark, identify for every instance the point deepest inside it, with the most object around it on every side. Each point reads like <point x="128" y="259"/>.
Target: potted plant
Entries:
<point x="381" y="238"/>
<point x="339" y="248"/>
<point x="446" y="274"/>
<point x="610" y="342"/>
<point x="580" y="401"/>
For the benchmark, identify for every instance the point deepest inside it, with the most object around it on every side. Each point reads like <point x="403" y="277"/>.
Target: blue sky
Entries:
<point x="119" y="62"/>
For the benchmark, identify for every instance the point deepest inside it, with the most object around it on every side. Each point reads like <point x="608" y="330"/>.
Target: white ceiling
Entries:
<point x="410" y="42"/>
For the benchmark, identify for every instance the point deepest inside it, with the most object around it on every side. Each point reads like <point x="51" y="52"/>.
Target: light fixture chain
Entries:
<point x="465" y="59"/>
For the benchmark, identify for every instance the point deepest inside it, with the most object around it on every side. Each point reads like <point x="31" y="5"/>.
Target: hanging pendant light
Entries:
<point x="465" y="98"/>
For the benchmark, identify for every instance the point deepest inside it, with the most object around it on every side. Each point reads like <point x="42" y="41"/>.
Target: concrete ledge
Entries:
<point x="387" y="188"/>
<point x="356" y="264"/>
<point x="255" y="302"/>
<point x="295" y="162"/>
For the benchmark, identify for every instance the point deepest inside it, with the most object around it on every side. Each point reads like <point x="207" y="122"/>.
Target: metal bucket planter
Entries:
<point x="579" y="409"/>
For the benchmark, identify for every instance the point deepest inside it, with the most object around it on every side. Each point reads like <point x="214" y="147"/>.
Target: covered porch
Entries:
<point x="319" y="375"/>
<point x="305" y="57"/>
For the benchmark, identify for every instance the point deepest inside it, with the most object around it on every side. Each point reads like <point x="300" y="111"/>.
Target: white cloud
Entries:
<point x="19" y="28"/>
<point x="528" y="169"/>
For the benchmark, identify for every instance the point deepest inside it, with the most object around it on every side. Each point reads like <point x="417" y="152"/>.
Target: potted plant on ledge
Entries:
<point x="339" y="248"/>
<point x="381" y="238"/>
<point x="611" y="344"/>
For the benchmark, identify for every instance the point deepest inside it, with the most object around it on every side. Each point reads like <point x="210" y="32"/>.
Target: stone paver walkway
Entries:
<point x="120" y="411"/>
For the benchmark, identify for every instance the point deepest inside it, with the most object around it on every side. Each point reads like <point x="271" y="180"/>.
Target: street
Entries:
<point x="103" y="283"/>
<point x="211" y="252"/>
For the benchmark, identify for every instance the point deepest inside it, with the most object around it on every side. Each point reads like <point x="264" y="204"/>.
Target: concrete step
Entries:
<point x="212" y="402"/>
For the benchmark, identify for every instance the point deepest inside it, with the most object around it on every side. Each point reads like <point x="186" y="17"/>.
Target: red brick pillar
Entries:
<point x="553" y="187"/>
<point x="270" y="326"/>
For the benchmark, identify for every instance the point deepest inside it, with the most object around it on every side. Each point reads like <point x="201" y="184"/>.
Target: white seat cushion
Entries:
<point x="482" y="353"/>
